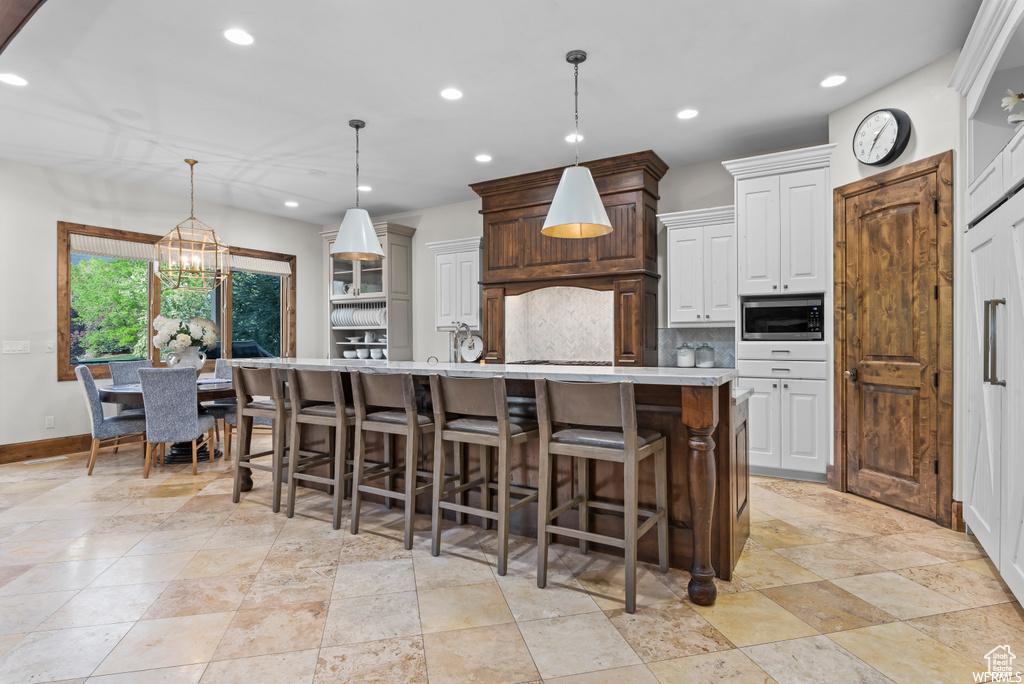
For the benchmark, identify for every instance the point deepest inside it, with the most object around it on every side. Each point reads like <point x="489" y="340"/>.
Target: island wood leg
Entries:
<point x="700" y="416"/>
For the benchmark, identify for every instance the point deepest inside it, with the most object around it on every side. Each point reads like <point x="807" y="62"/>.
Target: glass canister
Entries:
<point x="684" y="356"/>
<point x="705" y="356"/>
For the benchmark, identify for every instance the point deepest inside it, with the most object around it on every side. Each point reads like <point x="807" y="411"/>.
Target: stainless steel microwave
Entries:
<point x="798" y="317"/>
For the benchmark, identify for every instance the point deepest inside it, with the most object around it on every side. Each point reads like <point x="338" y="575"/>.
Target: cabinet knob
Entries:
<point x="785" y="287"/>
<point x="775" y="287"/>
<point x="775" y="384"/>
<point x="785" y="386"/>
<point x="698" y="317"/>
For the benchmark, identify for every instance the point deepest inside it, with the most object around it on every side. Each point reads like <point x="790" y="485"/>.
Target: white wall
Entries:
<point x="32" y="200"/>
<point x="937" y="124"/>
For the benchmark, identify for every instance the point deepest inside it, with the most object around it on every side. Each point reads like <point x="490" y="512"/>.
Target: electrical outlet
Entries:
<point x="49" y="421"/>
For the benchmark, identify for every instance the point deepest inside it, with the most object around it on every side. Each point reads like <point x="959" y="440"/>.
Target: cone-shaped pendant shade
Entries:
<point x="577" y="210"/>
<point x="356" y="239"/>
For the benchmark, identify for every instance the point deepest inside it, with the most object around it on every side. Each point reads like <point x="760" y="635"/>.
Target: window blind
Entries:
<point x="255" y="265"/>
<point x="90" y="245"/>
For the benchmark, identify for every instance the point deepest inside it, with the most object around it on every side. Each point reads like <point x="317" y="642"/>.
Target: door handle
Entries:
<point x="993" y="374"/>
<point x="987" y="343"/>
<point x="851" y="374"/>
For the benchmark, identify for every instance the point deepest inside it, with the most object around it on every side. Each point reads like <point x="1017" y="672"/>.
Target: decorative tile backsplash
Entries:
<point x="560" y="324"/>
<point x="722" y="339"/>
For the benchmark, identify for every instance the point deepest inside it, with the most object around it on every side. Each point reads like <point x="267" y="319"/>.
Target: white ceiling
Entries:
<point x="268" y="122"/>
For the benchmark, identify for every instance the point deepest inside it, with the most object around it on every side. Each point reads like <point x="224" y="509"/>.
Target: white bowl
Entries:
<point x="376" y="353"/>
<point x="350" y="354"/>
<point x="363" y="353"/>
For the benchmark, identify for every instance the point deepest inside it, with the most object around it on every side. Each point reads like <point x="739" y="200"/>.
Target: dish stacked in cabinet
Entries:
<point x="370" y="302"/>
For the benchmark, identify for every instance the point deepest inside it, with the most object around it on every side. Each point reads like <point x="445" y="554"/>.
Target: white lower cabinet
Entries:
<point x="805" y="425"/>
<point x="765" y="422"/>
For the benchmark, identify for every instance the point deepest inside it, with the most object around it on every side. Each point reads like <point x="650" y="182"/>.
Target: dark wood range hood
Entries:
<point x="518" y="258"/>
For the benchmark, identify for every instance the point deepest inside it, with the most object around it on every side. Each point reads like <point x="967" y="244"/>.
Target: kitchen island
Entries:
<point x="694" y="408"/>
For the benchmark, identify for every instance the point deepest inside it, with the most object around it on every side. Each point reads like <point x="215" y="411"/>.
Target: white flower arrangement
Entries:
<point x="1010" y="101"/>
<point x="175" y="334"/>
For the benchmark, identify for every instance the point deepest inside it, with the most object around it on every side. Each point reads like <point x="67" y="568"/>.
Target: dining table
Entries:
<point x="207" y="389"/>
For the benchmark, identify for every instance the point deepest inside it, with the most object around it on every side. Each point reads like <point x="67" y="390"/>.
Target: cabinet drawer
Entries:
<point x="783" y="351"/>
<point x="814" y="370"/>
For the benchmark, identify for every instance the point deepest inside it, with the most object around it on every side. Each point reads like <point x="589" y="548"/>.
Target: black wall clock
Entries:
<point x="881" y="137"/>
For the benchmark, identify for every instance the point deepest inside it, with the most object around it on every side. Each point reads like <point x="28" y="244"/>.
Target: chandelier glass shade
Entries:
<point x="192" y="256"/>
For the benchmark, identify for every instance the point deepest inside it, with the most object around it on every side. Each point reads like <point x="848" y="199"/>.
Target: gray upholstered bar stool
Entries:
<point x="386" y="404"/>
<point x="481" y="417"/>
<point x="598" y="421"/>
<point x="260" y="382"/>
<point x="318" y="398"/>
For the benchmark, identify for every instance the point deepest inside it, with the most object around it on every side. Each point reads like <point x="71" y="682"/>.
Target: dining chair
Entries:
<point x="597" y="421"/>
<point x="104" y="428"/>
<point x="220" y="408"/>
<point x="127" y="373"/>
<point x="172" y="412"/>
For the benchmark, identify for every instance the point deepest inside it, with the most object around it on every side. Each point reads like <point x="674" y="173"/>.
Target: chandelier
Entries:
<point x="192" y="257"/>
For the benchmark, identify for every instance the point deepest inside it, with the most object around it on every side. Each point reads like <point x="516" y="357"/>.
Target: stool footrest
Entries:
<point x="655" y="516"/>
<point x="471" y="510"/>
<point x="568" y="505"/>
<point x="319" y="478"/>
<point x="382" y="492"/>
<point x="461" y="488"/>
<point x="519" y="503"/>
<point x="587" y="536"/>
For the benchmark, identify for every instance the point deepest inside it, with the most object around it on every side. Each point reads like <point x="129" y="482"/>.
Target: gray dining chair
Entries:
<point x="104" y="428"/>
<point x="220" y="408"/>
<point x="172" y="412"/>
<point x="127" y="373"/>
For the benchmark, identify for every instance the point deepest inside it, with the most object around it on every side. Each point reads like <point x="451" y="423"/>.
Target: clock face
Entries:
<point x="881" y="137"/>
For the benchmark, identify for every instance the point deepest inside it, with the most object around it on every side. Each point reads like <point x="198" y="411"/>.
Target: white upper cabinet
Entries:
<point x="803" y="196"/>
<point x="783" y="221"/>
<point x="457" y="274"/>
<point x="701" y="267"/>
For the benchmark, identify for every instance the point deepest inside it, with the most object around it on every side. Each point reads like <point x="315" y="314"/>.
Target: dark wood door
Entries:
<point x="890" y="357"/>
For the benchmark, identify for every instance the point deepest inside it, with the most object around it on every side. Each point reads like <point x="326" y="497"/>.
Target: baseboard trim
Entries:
<point x="787" y="474"/>
<point x="43" y="448"/>
<point x="958" y="517"/>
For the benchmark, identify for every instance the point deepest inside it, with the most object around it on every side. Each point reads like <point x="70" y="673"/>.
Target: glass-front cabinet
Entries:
<point x="369" y="312"/>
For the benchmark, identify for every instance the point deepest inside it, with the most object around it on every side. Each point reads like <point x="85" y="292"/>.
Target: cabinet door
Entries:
<point x="758" y="239"/>
<point x="720" y="273"/>
<point x="982" y="476"/>
<point x="1010" y="366"/>
<point x="467" y="291"/>
<point x="805" y="230"/>
<point x="446" y="277"/>
<point x="805" y="425"/>
<point x="685" y="275"/>
<point x="764" y="422"/>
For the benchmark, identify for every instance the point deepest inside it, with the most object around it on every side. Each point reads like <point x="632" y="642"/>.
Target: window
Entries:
<point x="109" y="294"/>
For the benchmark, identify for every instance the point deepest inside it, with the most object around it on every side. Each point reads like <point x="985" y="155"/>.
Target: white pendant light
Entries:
<point x="356" y="239"/>
<point x="577" y="210"/>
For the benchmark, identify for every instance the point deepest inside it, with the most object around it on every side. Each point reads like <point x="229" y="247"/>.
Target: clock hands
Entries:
<point x="887" y="121"/>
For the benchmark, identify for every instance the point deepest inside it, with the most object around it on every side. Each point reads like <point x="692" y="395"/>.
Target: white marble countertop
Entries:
<point x="705" y="377"/>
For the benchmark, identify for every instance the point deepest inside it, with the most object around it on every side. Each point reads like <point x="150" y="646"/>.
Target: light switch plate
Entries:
<point x="51" y="346"/>
<point x="15" y="347"/>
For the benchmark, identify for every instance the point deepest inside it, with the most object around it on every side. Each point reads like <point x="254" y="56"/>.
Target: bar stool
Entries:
<point x="320" y="398"/>
<point x="395" y="394"/>
<point x="482" y="418"/>
<point x="263" y="382"/>
<point x="604" y="405"/>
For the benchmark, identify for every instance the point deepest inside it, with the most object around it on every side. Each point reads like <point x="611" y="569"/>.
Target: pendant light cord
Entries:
<point x="357" y="168"/>
<point x="192" y="190"/>
<point x="576" y="107"/>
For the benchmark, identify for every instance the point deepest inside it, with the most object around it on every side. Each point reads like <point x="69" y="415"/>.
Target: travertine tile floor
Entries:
<point x="113" y="578"/>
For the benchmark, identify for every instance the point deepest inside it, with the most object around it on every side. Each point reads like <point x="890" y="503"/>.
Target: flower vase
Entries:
<point x="190" y="356"/>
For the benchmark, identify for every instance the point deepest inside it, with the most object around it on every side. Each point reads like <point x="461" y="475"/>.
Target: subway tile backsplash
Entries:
<point x="722" y="339"/>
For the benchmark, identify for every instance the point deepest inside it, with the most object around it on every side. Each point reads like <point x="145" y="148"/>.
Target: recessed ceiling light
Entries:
<point x="833" y="81"/>
<point x="451" y="93"/>
<point x="13" y="79"/>
<point x="483" y="157"/>
<point x="238" y="36"/>
<point x="291" y="204"/>
<point x="364" y="188"/>
<point x="687" y="114"/>
<point x="573" y="137"/>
